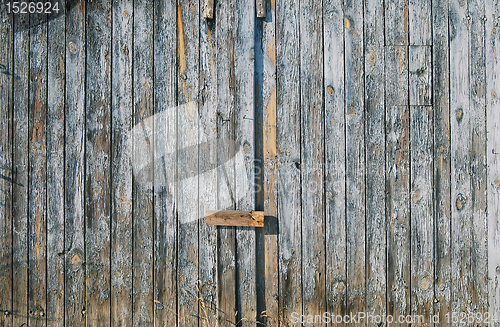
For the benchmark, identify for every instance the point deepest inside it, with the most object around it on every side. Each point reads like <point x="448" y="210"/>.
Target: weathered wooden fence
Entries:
<point x="368" y="131"/>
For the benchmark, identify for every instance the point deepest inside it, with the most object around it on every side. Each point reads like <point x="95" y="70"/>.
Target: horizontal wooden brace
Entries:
<point x="234" y="218"/>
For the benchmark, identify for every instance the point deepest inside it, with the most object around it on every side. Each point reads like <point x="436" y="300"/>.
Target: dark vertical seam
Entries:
<point x="14" y="176"/>
<point x="301" y="161"/>
<point x="386" y="250"/>
<point x="155" y="138"/>
<point x="346" y="290"/>
<point x="450" y="286"/>
<point x="176" y="176"/>
<point x="365" y="173"/>
<point x="28" y="175"/>
<point x="64" y="170"/>
<point x="84" y="136"/>
<point x="45" y="309"/>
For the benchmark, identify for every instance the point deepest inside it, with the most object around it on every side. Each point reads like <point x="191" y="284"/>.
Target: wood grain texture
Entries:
<point x="235" y="218"/>
<point x="165" y="187"/>
<point x="335" y="169"/>
<point x="207" y="179"/>
<point x="56" y="82"/>
<point x="121" y="169"/>
<point x="142" y="187"/>
<point x="20" y="166"/>
<point x="226" y="150"/>
<point x="37" y="177"/>
<point x="442" y="163"/>
<point x="269" y="312"/>
<point x="461" y="186"/>
<point x="398" y="209"/>
<point x="74" y="225"/>
<point x="375" y="138"/>
<point x="419" y="21"/>
<point x="355" y="156"/>
<point x="492" y="50"/>
<point x="187" y="162"/>
<point x="6" y="171"/>
<point x="97" y="163"/>
<point x="311" y="161"/>
<point x="478" y="139"/>
<point x="397" y="22"/>
<point x="420" y="75"/>
<point x="288" y="139"/>
<point x="245" y="119"/>
<point x="421" y="208"/>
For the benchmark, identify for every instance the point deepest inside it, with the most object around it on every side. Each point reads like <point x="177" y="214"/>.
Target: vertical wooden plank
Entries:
<point x="56" y="82"/>
<point x="421" y="208"/>
<point x="245" y="117"/>
<point x="398" y="180"/>
<point x="420" y="75"/>
<point x="121" y="169"/>
<point x="461" y="224"/>
<point x="20" y="167"/>
<point x="376" y="251"/>
<point x="226" y="149"/>
<point x="355" y="156"/>
<point x="207" y="173"/>
<point x="442" y="164"/>
<point x="420" y="17"/>
<point x="187" y="161"/>
<point x="477" y="89"/>
<point x="397" y="22"/>
<point x="6" y="180"/>
<point x="492" y="49"/>
<point x="74" y="226"/>
<point x="37" y="176"/>
<point x="165" y="95"/>
<point x="270" y="317"/>
<point x="142" y="196"/>
<point x="312" y="151"/>
<point x="335" y="169"/>
<point x="288" y="138"/>
<point x="97" y="163"/>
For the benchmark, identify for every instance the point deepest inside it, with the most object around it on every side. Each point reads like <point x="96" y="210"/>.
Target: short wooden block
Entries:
<point x="234" y="218"/>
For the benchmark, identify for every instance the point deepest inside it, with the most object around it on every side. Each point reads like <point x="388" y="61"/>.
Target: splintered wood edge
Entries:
<point x="234" y="218"/>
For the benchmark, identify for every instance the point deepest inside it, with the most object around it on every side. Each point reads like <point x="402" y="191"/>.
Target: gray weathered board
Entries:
<point x="367" y="131"/>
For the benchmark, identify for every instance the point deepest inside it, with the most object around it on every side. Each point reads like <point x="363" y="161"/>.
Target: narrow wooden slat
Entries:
<point x="288" y="136"/>
<point x="461" y="115"/>
<point x="74" y="225"/>
<point x="56" y="81"/>
<point x="97" y="162"/>
<point x="398" y="181"/>
<point x="478" y="138"/>
<point x="311" y="165"/>
<point x="421" y="208"/>
<point x="235" y="218"/>
<point x="6" y="182"/>
<point x="355" y="156"/>
<point x="142" y="187"/>
<point x="492" y="49"/>
<point x="442" y="168"/>
<point x="269" y="313"/>
<point x="420" y="75"/>
<point x="245" y="118"/>
<point x="226" y="150"/>
<point x="207" y="174"/>
<point x="397" y="22"/>
<point x="165" y="94"/>
<point x="37" y="176"/>
<point x="121" y="169"/>
<point x="20" y="166"/>
<point x="335" y="232"/>
<point x="187" y="162"/>
<point x="420" y="18"/>
<point x="376" y="257"/>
